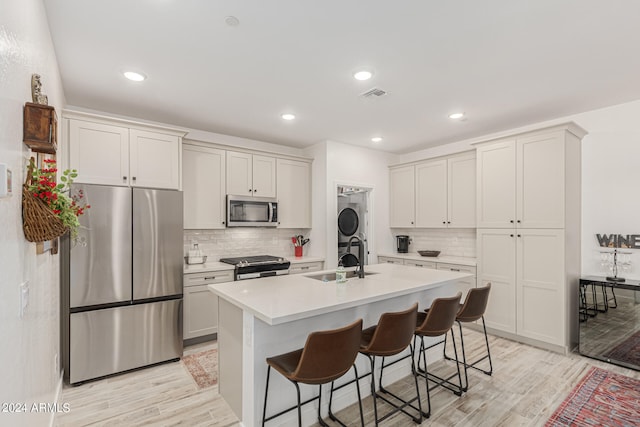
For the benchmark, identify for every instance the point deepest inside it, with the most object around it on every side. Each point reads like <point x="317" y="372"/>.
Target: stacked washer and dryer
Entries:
<point x="352" y="221"/>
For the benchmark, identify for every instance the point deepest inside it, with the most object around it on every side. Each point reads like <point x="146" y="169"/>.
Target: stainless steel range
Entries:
<point x="252" y="267"/>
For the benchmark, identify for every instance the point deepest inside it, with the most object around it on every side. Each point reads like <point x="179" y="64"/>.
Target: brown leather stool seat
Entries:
<point x="436" y="322"/>
<point x="471" y="310"/>
<point x="326" y="356"/>
<point x="392" y="335"/>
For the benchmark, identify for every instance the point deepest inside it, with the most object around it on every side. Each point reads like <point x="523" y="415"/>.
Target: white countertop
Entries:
<point x="460" y="260"/>
<point x="282" y="299"/>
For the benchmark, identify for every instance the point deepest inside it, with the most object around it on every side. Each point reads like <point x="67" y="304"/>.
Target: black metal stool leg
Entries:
<point x="299" y="405"/>
<point x="266" y="392"/>
<point x="464" y="358"/>
<point x="426" y="377"/>
<point x="372" y="359"/>
<point x="455" y="352"/>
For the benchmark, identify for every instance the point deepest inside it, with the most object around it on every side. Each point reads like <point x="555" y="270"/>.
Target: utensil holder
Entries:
<point x="297" y="251"/>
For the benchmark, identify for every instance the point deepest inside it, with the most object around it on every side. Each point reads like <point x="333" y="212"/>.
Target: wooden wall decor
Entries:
<point x="40" y="128"/>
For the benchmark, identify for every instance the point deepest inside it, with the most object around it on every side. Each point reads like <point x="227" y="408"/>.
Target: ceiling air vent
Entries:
<point x="375" y="92"/>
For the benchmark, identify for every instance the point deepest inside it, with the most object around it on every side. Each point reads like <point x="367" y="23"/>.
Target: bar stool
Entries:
<point x="326" y="356"/>
<point x="437" y="321"/>
<point x="473" y="309"/>
<point x="392" y="335"/>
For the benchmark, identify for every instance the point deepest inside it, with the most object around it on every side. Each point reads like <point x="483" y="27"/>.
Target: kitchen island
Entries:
<point x="273" y="315"/>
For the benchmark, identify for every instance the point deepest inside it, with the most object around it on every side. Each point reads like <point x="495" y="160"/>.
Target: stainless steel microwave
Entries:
<point x="244" y="211"/>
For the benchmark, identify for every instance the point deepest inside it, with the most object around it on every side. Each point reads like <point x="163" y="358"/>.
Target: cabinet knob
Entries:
<point x="124" y="179"/>
<point x="448" y="222"/>
<point x="510" y="235"/>
<point x="444" y="222"/>
<point x="518" y="221"/>
<point x="511" y="221"/>
<point x="133" y="178"/>
<point x="519" y="235"/>
<point x="251" y="190"/>
<point x="255" y="191"/>
<point x="223" y="222"/>
<point x="411" y="222"/>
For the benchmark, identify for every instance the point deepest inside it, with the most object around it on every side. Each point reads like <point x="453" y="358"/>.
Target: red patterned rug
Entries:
<point x="203" y="367"/>
<point x="602" y="398"/>
<point x="627" y="351"/>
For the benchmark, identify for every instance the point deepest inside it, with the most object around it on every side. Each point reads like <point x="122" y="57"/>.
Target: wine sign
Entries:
<point x="628" y="241"/>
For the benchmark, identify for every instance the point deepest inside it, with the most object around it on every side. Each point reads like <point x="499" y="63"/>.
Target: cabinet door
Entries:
<point x="402" y="197"/>
<point x="200" y="312"/>
<point x="417" y="263"/>
<point x="540" y="285"/>
<point x="388" y="260"/>
<point x="264" y="176"/>
<point x="431" y="194"/>
<point x="239" y="173"/>
<point x="497" y="264"/>
<point x="155" y="160"/>
<point x="462" y="285"/>
<point x="294" y="193"/>
<point x="496" y="185"/>
<point x="203" y="181"/>
<point x="99" y="152"/>
<point x="461" y="191"/>
<point x="306" y="267"/>
<point x="541" y="181"/>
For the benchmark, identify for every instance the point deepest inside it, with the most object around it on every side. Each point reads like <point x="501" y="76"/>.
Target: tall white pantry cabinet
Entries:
<point x="528" y="233"/>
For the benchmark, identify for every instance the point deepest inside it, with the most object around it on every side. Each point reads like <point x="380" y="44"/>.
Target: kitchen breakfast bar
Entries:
<point x="273" y="315"/>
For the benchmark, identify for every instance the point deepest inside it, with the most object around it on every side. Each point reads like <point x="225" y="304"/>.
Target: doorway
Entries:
<point x="353" y="223"/>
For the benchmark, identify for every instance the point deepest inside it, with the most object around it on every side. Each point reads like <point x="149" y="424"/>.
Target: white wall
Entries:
<point x="30" y="344"/>
<point x="342" y="164"/>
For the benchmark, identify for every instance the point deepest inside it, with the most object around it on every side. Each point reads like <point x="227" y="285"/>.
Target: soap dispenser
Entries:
<point x="341" y="273"/>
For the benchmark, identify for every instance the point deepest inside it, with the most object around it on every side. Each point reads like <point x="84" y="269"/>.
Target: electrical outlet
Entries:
<point x="24" y="298"/>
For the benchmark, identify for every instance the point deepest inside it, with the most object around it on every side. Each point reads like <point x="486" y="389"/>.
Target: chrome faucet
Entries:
<point x="360" y="269"/>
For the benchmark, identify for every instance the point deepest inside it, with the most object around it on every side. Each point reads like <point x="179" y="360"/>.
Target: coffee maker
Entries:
<point x="403" y="244"/>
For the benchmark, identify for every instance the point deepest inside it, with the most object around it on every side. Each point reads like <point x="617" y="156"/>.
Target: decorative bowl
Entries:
<point x="195" y="260"/>
<point x="429" y="253"/>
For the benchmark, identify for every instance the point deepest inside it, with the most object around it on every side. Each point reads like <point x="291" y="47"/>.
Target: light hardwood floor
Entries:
<point x="527" y="385"/>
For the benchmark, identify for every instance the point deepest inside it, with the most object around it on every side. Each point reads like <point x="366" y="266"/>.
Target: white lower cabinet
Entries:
<point x="305" y="267"/>
<point x="200" y="315"/>
<point x="462" y="285"/>
<point x="418" y="263"/>
<point x="528" y="286"/>
<point x="389" y="260"/>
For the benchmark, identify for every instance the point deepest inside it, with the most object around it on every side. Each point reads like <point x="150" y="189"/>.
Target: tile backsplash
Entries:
<point x="233" y="242"/>
<point x="449" y="241"/>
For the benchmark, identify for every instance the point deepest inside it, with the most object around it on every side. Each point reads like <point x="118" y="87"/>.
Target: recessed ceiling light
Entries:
<point x="456" y="116"/>
<point x="376" y="139"/>
<point x="232" y="21"/>
<point x="288" y="116"/>
<point x="133" y="76"/>
<point x="363" y="75"/>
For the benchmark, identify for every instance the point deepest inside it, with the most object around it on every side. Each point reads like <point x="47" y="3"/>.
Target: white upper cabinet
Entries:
<point x="521" y="182"/>
<point x="402" y="197"/>
<point x="294" y="193"/>
<point x="111" y="152"/>
<point x="496" y="201"/>
<point x="251" y="174"/>
<point x="461" y="191"/>
<point x="154" y="159"/>
<point x="540" y="181"/>
<point x="99" y="152"/>
<point x="438" y="193"/>
<point x="431" y="194"/>
<point x="203" y="178"/>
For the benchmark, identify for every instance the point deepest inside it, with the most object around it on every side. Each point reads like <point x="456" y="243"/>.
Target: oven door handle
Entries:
<point x="270" y="212"/>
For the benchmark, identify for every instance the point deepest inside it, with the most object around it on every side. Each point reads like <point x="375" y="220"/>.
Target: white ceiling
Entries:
<point x="505" y="63"/>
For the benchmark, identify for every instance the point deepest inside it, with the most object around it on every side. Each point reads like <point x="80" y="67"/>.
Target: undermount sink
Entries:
<point x="331" y="277"/>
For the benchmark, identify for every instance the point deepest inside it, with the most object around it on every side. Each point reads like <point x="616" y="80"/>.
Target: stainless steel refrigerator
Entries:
<point x="122" y="282"/>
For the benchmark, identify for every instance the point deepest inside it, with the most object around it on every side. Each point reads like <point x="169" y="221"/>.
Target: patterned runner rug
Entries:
<point x="203" y="367"/>
<point x="602" y="398"/>
<point x="627" y="351"/>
